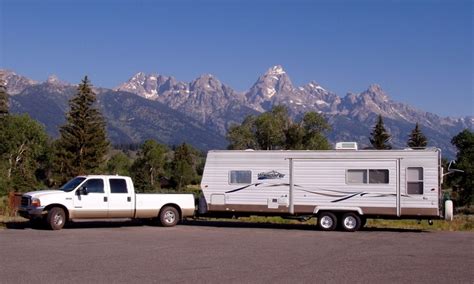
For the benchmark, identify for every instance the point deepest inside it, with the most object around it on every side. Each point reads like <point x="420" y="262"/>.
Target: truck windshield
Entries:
<point x="72" y="184"/>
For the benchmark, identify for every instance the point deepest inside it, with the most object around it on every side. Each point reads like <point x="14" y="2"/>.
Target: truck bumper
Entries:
<point x="31" y="212"/>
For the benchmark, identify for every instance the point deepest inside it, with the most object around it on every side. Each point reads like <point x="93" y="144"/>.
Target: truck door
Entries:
<point x="94" y="204"/>
<point x="121" y="199"/>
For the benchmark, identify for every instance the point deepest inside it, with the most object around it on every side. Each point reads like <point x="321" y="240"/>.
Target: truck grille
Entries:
<point x="25" y="201"/>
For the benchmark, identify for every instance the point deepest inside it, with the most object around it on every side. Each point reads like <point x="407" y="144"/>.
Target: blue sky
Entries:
<point x="420" y="52"/>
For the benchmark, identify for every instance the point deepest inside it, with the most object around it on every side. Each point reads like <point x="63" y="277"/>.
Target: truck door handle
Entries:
<point x="129" y="199"/>
<point x="105" y="198"/>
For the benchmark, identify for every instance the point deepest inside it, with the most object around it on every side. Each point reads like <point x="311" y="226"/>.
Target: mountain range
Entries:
<point x="153" y="106"/>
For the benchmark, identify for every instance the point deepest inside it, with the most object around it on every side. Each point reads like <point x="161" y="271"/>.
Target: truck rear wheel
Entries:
<point x="350" y="222"/>
<point x="169" y="216"/>
<point x="56" y="218"/>
<point x="327" y="221"/>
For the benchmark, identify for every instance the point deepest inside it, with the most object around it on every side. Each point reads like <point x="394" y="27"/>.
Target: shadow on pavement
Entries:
<point x="306" y="227"/>
<point x="193" y="222"/>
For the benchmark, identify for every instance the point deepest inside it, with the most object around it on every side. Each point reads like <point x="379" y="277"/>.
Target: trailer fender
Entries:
<point x="335" y="209"/>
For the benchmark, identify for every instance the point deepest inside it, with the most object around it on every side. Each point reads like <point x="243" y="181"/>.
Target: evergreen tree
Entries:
<point x="417" y="139"/>
<point x="83" y="143"/>
<point x="3" y="99"/>
<point x="379" y="136"/>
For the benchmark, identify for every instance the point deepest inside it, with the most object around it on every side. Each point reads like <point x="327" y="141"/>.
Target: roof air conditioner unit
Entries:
<point x="346" y="146"/>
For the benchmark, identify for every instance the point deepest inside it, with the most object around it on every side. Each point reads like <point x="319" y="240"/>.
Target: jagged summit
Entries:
<point x="275" y="70"/>
<point x="209" y="104"/>
<point x="54" y="80"/>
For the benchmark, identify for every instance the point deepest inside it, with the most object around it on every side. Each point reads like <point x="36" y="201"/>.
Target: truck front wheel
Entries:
<point x="56" y="218"/>
<point x="169" y="216"/>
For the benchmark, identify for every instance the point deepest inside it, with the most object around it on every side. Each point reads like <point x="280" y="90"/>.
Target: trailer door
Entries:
<point x="419" y="187"/>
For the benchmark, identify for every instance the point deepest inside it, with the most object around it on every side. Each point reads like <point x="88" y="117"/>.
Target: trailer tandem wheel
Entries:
<point x="350" y="222"/>
<point x="327" y="221"/>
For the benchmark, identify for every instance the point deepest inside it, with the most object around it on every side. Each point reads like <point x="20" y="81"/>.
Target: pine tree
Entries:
<point x="379" y="136"/>
<point x="417" y="139"/>
<point x="3" y="99"/>
<point x="83" y="142"/>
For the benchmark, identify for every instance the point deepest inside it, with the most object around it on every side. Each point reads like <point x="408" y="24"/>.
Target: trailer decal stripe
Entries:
<point x="347" y="197"/>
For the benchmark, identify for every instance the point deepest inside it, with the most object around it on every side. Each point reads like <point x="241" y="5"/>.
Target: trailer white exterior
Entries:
<point x="349" y="185"/>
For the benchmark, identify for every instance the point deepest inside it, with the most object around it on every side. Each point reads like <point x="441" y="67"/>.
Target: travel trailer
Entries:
<point x="341" y="188"/>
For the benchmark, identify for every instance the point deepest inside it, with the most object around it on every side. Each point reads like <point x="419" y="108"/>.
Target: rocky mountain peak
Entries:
<point x="206" y="83"/>
<point x="54" y="80"/>
<point x="275" y="70"/>
<point x="376" y="93"/>
<point x="15" y="83"/>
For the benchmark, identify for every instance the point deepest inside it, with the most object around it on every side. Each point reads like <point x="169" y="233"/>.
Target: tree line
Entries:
<point x="31" y="160"/>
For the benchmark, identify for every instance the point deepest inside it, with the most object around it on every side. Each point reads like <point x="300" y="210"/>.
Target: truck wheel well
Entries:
<point x="175" y="206"/>
<point x="50" y="206"/>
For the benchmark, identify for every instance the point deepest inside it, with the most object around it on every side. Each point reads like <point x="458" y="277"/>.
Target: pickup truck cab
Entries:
<point x="103" y="197"/>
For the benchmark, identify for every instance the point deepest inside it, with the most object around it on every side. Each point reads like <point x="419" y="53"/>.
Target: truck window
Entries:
<point x="94" y="185"/>
<point x="72" y="184"/>
<point x="415" y="180"/>
<point x="240" y="177"/>
<point x="118" y="186"/>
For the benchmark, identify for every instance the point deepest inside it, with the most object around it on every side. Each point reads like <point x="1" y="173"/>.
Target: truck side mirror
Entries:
<point x="82" y="191"/>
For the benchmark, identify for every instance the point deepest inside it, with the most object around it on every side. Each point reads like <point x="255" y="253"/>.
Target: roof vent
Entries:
<point x="346" y="146"/>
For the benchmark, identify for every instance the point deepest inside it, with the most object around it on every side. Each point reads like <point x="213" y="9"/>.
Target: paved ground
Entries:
<point x="205" y="252"/>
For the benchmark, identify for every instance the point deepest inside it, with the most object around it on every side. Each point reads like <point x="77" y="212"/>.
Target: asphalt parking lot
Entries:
<point x="218" y="252"/>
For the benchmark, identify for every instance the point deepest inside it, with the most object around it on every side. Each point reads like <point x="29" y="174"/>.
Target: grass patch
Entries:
<point x="460" y="223"/>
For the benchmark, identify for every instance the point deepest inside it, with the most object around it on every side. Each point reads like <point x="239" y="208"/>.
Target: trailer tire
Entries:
<point x="351" y="222"/>
<point x="448" y="210"/>
<point x="327" y="221"/>
<point x="169" y="216"/>
<point x="56" y="218"/>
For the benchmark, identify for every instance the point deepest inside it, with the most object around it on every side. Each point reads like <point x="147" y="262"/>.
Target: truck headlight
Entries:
<point x="35" y="202"/>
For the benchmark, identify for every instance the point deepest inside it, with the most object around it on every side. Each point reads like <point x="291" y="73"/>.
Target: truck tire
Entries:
<point x="327" y="221"/>
<point x="56" y="218"/>
<point x="169" y="216"/>
<point x="350" y="222"/>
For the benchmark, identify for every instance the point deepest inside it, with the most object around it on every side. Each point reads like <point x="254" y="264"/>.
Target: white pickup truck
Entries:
<point x="103" y="197"/>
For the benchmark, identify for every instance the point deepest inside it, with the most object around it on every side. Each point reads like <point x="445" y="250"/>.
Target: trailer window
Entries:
<point x="378" y="176"/>
<point x="356" y="176"/>
<point x="415" y="180"/>
<point x="240" y="177"/>
<point x="365" y="176"/>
